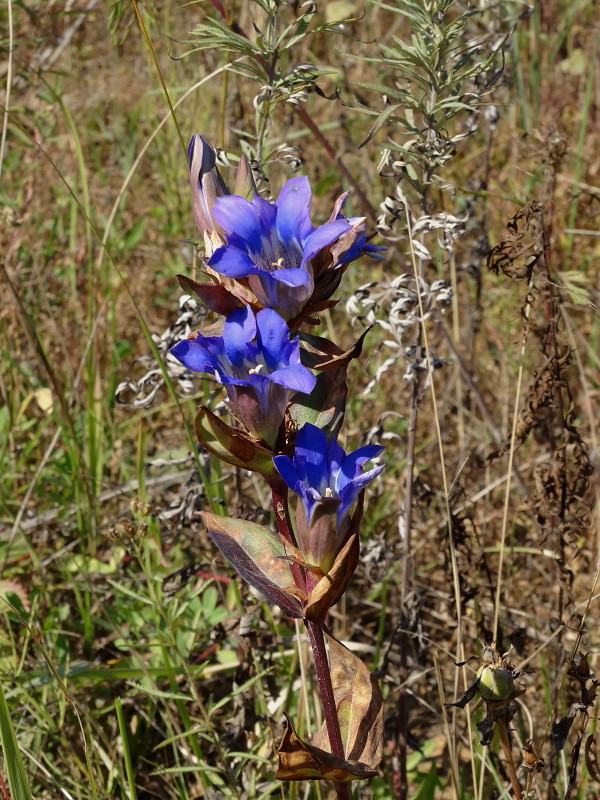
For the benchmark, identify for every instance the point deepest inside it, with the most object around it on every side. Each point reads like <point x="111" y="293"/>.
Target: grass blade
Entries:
<point x="17" y="778"/>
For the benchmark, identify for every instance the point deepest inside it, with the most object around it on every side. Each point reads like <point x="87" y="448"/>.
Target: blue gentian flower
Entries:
<point x="276" y="248"/>
<point x="257" y="363"/>
<point x="328" y="482"/>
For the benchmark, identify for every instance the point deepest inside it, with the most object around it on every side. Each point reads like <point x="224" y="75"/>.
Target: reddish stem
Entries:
<point x="4" y="788"/>
<point x="368" y="208"/>
<point x="317" y="641"/>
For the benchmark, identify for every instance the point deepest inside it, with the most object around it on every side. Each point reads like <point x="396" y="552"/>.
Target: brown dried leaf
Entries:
<point x="520" y="249"/>
<point x="212" y="295"/>
<point x="359" y="705"/>
<point x="299" y="761"/>
<point x="360" y="710"/>
<point x="331" y="586"/>
<point x="259" y="556"/>
<point x="234" y="446"/>
<point x="591" y="757"/>
<point x="467" y="696"/>
<point x="322" y="354"/>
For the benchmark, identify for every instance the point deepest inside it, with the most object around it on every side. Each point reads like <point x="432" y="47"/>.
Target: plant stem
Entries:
<point x="401" y="780"/>
<point x="510" y="764"/>
<point x="317" y="641"/>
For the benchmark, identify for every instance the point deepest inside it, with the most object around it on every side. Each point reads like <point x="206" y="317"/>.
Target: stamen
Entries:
<point x="255" y="370"/>
<point x="328" y="492"/>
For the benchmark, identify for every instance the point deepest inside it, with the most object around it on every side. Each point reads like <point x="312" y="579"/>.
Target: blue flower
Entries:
<point x="256" y="362"/>
<point x="327" y="482"/>
<point x="277" y="250"/>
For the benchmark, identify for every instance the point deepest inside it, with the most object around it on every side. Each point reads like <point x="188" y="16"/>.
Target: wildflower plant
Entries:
<point x="268" y="272"/>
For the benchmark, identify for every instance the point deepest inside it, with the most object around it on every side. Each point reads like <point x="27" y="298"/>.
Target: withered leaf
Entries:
<point x="520" y="249"/>
<point x="531" y="760"/>
<point x="299" y="761"/>
<point x="360" y="711"/>
<point x="331" y="586"/>
<point x="591" y="757"/>
<point x="259" y="556"/>
<point x="359" y="705"/>
<point x="560" y="730"/>
<point x="212" y="295"/>
<point x="485" y="728"/>
<point x="467" y="696"/>
<point x="320" y="353"/>
<point x="234" y="446"/>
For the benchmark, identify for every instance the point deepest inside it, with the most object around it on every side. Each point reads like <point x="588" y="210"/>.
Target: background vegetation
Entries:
<point x="133" y="663"/>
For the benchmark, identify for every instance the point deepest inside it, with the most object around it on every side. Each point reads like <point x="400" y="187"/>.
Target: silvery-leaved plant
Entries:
<point x="268" y="272"/>
<point x="394" y="306"/>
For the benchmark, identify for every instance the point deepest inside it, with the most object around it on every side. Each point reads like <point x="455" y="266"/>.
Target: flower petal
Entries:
<point x="310" y="457"/>
<point x="293" y="210"/>
<point x="296" y="378"/>
<point x="323" y="237"/>
<point x="294" y="277"/>
<point x="351" y="490"/>
<point x="335" y="457"/>
<point x="194" y="356"/>
<point x="273" y="337"/>
<point x="266" y="213"/>
<point x="232" y="262"/>
<point x="238" y="331"/>
<point x="206" y="183"/>
<point x="274" y="293"/>
<point x="351" y="465"/>
<point x="236" y="215"/>
<point x="285" y="467"/>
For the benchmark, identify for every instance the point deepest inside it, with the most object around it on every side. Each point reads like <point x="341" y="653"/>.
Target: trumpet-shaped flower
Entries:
<point x="328" y="482"/>
<point x="285" y="260"/>
<point x="256" y="362"/>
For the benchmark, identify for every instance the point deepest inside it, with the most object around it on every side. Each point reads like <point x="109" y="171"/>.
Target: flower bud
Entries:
<point x="495" y="683"/>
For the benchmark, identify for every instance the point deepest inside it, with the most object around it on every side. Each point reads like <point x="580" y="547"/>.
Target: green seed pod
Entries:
<point x="496" y="684"/>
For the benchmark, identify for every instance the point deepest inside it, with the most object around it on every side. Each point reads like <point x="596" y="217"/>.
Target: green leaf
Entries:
<point x="379" y="123"/>
<point x="17" y="778"/>
<point x="427" y="789"/>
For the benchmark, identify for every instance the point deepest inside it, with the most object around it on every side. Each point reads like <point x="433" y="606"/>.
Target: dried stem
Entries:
<point x="400" y="779"/>
<point x="510" y="764"/>
<point x="317" y="133"/>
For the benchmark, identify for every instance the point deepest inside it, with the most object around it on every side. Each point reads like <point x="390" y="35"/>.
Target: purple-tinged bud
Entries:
<point x="206" y="185"/>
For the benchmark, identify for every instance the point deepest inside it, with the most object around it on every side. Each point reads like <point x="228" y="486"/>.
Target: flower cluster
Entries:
<point x="268" y="255"/>
<point x="269" y="271"/>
